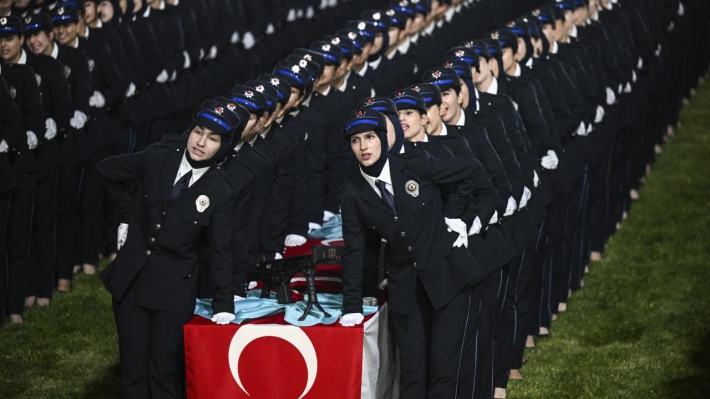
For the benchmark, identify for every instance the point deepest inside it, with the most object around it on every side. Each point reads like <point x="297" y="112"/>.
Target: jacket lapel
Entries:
<point x="206" y="180"/>
<point x="399" y="180"/>
<point x="167" y="178"/>
<point x="369" y="195"/>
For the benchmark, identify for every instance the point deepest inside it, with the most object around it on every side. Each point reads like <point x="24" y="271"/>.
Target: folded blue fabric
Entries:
<point x="254" y="307"/>
<point x="333" y="228"/>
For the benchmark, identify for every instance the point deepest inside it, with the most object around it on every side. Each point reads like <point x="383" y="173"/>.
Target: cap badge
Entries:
<point x="400" y="94"/>
<point x="360" y="114"/>
<point x="28" y="20"/>
<point x="202" y="203"/>
<point x="308" y="57"/>
<point x="260" y="88"/>
<point x="369" y="101"/>
<point x="412" y="188"/>
<point x="376" y="16"/>
<point x="468" y="44"/>
<point x="60" y="11"/>
<point x="495" y="35"/>
<point x="536" y="12"/>
<point x="436" y="74"/>
<point x="303" y="63"/>
<point x="511" y="24"/>
<point x="416" y="88"/>
<point x="361" y="26"/>
<point x="326" y="47"/>
<point x="3" y="21"/>
<point x="249" y="94"/>
<point x="352" y="35"/>
<point x="335" y="40"/>
<point x="231" y="106"/>
<point x="275" y="82"/>
<point x="219" y="110"/>
<point x="459" y="53"/>
<point x="447" y="64"/>
<point x="295" y="69"/>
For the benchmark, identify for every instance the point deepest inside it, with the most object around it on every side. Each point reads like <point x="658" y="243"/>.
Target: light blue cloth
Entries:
<point x="333" y="228"/>
<point x="254" y="307"/>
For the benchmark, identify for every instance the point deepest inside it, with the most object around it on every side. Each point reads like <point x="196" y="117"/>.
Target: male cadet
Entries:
<point x="10" y="132"/>
<point x="58" y="109"/>
<point x="22" y="85"/>
<point x="107" y="93"/>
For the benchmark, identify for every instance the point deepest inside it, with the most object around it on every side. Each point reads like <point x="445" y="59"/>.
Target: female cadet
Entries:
<point x="182" y="192"/>
<point x="429" y="272"/>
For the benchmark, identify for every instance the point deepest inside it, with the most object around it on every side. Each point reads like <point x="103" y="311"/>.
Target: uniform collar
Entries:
<point x="376" y="63"/>
<point x="86" y="32"/>
<point x="404" y="47"/>
<point x="55" y="50"/>
<point x="529" y="64"/>
<point x="76" y="42"/>
<point x="185" y="167"/>
<point x="555" y="47"/>
<point x="493" y="88"/>
<point x="518" y="71"/>
<point x="574" y="31"/>
<point x="430" y="28"/>
<point x="327" y="91"/>
<point x="462" y="118"/>
<point x="363" y="70"/>
<point x="23" y="58"/>
<point x="146" y="14"/>
<point x="392" y="54"/>
<point x="384" y="176"/>
<point x="444" y="130"/>
<point x="344" y="86"/>
<point x="449" y="14"/>
<point x="414" y="39"/>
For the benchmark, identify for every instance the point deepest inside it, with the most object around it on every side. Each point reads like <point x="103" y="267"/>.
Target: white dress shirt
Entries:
<point x="384" y="176"/>
<point x="186" y="167"/>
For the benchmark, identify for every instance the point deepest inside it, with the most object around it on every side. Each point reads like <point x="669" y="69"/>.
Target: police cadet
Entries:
<point x="58" y="109"/>
<point x="153" y="280"/>
<point x="352" y="84"/>
<point x="23" y="88"/>
<point x="429" y="279"/>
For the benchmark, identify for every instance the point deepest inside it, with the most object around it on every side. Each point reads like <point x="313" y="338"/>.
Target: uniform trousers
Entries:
<point x="150" y="343"/>
<point x="430" y="344"/>
<point x="4" y="208"/>
<point x="69" y="182"/>
<point x="44" y="238"/>
<point x="91" y="215"/>
<point x="488" y="314"/>
<point x="18" y="243"/>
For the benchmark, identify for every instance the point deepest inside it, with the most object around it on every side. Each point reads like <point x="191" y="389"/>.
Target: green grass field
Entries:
<point x="640" y="328"/>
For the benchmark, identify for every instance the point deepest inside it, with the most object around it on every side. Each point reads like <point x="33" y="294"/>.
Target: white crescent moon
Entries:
<point x="292" y="334"/>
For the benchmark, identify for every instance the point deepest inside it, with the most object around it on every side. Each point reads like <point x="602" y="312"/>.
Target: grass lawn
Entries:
<point x="640" y="328"/>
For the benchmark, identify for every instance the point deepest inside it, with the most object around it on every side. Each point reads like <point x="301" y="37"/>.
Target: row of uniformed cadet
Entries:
<point x="521" y="116"/>
<point x="90" y="79"/>
<point x="565" y="108"/>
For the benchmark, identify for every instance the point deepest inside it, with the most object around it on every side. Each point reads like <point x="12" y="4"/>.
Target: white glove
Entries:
<point x="670" y="27"/>
<point x="202" y="55"/>
<point x="600" y="114"/>
<point x="610" y="96"/>
<point x="456" y="225"/>
<point x="131" y="90"/>
<point x="461" y="242"/>
<point x="248" y="40"/>
<point x="186" y="64"/>
<point x="299" y="13"/>
<point x="294" y="240"/>
<point x="32" y="140"/>
<point x="3" y="146"/>
<point x="494" y="218"/>
<point x="536" y="178"/>
<point x="97" y="100"/>
<point x="581" y="129"/>
<point x="313" y="227"/>
<point x="681" y="9"/>
<point x="278" y="256"/>
<point x="237" y="298"/>
<point x="475" y="227"/>
<point x="270" y="29"/>
<point x="550" y="160"/>
<point x="524" y="198"/>
<point x="162" y="77"/>
<point x="590" y="128"/>
<point x="332" y="3"/>
<point x="213" y="53"/>
<point x="51" y="129"/>
<point x="173" y="76"/>
<point x="291" y="15"/>
<point x="235" y="38"/>
<point x="659" y="48"/>
<point x="222" y="318"/>
<point x="634" y="77"/>
<point x="327" y="215"/>
<point x="310" y="12"/>
<point x="351" y="319"/>
<point x="621" y="88"/>
<point x="323" y="4"/>
<point x="122" y="235"/>
<point x="78" y="120"/>
<point x="639" y="65"/>
<point x="510" y="208"/>
<point x="627" y="88"/>
<point x="383" y="284"/>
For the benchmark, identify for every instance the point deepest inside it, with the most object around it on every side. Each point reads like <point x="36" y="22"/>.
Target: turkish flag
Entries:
<point x="269" y="358"/>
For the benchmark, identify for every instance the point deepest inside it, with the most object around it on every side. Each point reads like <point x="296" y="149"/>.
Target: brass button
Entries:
<point x="157" y="226"/>
<point x="145" y="195"/>
<point x="396" y="219"/>
<point x="195" y="221"/>
<point x="147" y="252"/>
<point x="423" y="203"/>
<point x="165" y="213"/>
<point x="152" y="239"/>
<point x="403" y="234"/>
<point x="409" y="249"/>
<point x="177" y="149"/>
<point x="415" y="264"/>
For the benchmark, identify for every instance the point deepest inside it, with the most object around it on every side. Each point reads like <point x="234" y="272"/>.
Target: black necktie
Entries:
<point x="181" y="185"/>
<point x="387" y="197"/>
